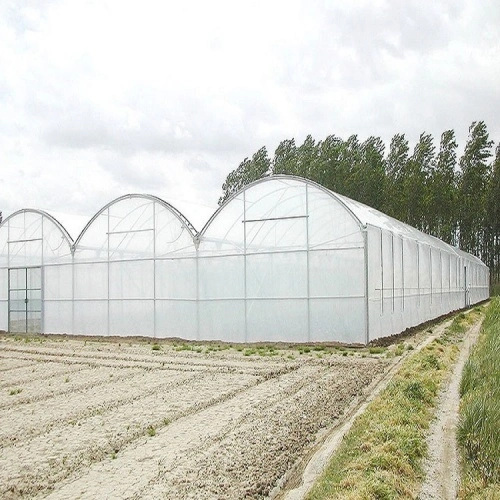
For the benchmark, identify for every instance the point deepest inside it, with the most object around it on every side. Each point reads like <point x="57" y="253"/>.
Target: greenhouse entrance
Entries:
<point x="25" y="300"/>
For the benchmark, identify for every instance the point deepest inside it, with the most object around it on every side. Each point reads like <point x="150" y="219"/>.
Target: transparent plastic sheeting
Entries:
<point x="283" y="260"/>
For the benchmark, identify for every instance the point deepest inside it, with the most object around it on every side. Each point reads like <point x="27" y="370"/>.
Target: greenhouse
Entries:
<point x="284" y="259"/>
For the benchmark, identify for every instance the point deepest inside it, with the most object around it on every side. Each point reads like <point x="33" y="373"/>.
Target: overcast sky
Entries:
<point x="104" y="98"/>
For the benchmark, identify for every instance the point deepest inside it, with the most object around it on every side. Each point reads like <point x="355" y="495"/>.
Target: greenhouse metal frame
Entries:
<point x="284" y="259"/>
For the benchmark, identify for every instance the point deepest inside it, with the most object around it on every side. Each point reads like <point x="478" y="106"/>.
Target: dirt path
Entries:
<point x="442" y="466"/>
<point x="302" y="478"/>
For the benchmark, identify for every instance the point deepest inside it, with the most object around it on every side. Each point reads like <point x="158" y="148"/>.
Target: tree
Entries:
<point x="443" y="190"/>
<point x="493" y="218"/>
<point x="368" y="177"/>
<point x="247" y="172"/>
<point x="329" y="170"/>
<point x="350" y="161"/>
<point x="474" y="173"/>
<point x="307" y="157"/>
<point x="285" y="158"/>
<point x="395" y="167"/>
<point x="412" y="183"/>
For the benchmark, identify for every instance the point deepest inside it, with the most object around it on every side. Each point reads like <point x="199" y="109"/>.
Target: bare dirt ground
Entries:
<point x="442" y="465"/>
<point x="87" y="419"/>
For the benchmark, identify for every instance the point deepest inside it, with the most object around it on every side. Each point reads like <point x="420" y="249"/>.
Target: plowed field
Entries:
<point x="96" y="419"/>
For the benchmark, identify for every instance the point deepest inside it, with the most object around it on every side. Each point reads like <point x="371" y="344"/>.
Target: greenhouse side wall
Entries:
<point x="412" y="281"/>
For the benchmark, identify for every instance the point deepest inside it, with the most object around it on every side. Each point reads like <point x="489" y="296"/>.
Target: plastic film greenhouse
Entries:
<point x="282" y="260"/>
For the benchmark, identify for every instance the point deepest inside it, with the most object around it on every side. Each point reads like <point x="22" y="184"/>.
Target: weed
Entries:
<point x="431" y="361"/>
<point x="13" y="392"/>
<point x="400" y="348"/>
<point x="151" y="431"/>
<point x="156" y="347"/>
<point x="66" y="380"/>
<point x="376" y="350"/>
<point x="415" y="391"/>
<point x="166" y="421"/>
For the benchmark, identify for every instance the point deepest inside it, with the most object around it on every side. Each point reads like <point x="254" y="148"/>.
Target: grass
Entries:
<point x="478" y="429"/>
<point x="382" y="455"/>
<point x="376" y="350"/>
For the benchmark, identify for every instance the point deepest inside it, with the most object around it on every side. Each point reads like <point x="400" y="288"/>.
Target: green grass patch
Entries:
<point x="495" y="289"/>
<point x="376" y="350"/>
<point x="478" y="429"/>
<point x="382" y="455"/>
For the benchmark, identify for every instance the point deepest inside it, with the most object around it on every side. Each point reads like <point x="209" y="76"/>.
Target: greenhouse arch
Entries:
<point x="284" y="259"/>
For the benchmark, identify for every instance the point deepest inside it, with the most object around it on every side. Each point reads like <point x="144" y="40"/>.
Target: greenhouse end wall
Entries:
<point x="282" y="260"/>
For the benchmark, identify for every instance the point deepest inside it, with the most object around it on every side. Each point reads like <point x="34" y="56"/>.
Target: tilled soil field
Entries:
<point x="97" y="419"/>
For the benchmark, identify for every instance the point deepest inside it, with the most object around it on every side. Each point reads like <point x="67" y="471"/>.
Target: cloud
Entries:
<point x="98" y="99"/>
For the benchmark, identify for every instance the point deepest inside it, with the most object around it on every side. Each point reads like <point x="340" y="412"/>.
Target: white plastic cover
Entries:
<point x="282" y="260"/>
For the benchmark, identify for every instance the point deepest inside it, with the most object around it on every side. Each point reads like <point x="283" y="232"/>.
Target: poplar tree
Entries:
<point x="395" y="167"/>
<point x="329" y="169"/>
<point x="247" y="172"/>
<point x="443" y="190"/>
<point x="369" y="176"/>
<point x="493" y="217"/>
<point x="474" y="173"/>
<point x="414" y="183"/>
<point x="286" y="158"/>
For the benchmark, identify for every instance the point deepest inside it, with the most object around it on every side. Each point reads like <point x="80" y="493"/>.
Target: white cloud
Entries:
<point x="102" y="98"/>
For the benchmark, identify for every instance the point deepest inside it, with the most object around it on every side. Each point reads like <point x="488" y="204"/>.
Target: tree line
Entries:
<point x="430" y="188"/>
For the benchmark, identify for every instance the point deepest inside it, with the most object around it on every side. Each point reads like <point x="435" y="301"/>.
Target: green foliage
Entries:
<point x="472" y="190"/>
<point x="477" y="431"/>
<point x="247" y="172"/>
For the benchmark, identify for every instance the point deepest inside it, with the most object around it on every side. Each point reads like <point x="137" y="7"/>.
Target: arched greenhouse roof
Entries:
<point x="361" y="213"/>
<point x="273" y="178"/>
<point x="41" y="213"/>
<point x="184" y="221"/>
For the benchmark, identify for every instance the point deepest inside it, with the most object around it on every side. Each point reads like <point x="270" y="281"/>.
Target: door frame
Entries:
<point x="26" y="290"/>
